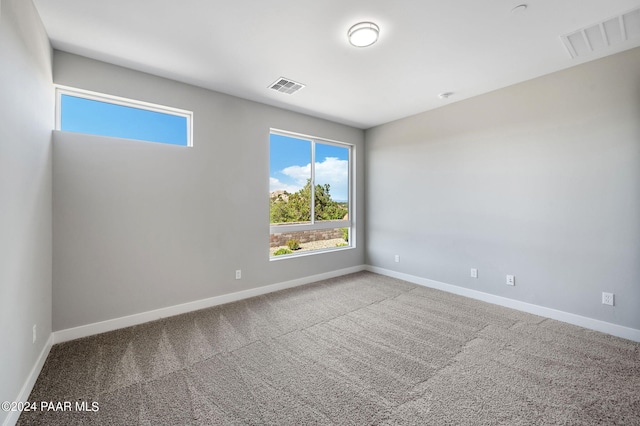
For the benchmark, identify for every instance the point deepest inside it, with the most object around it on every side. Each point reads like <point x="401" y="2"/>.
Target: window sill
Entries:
<point x="309" y="253"/>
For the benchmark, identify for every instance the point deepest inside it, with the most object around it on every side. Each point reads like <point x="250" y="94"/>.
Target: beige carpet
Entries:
<point x="360" y="349"/>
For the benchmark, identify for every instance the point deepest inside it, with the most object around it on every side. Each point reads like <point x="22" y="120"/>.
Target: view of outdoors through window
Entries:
<point x="108" y="118"/>
<point x="309" y="194"/>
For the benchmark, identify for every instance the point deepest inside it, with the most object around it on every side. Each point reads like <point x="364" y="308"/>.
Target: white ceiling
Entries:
<point x="240" y="47"/>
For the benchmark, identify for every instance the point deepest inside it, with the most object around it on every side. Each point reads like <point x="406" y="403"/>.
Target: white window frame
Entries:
<point x="126" y="102"/>
<point x="329" y="224"/>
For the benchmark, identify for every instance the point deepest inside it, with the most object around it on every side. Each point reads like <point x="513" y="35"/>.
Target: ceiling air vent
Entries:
<point x="613" y="31"/>
<point x="285" y="85"/>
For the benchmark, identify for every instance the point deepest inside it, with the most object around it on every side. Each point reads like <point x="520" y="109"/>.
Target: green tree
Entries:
<point x="325" y="207"/>
<point x="297" y="207"/>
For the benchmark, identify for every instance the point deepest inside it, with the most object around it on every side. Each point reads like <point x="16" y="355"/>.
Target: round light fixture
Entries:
<point x="363" y="34"/>
<point x="519" y="9"/>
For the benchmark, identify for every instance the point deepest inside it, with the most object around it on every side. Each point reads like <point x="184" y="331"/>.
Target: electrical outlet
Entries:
<point x="34" y="333"/>
<point x="397" y="258"/>
<point x="238" y="274"/>
<point x="511" y="280"/>
<point x="607" y="298"/>
<point x="474" y="273"/>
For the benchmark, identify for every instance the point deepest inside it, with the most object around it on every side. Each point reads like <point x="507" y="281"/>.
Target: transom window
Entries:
<point x="82" y="111"/>
<point x="310" y="194"/>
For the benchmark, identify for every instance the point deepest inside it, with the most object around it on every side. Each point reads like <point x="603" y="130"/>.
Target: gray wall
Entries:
<point x="26" y="120"/>
<point x="540" y="180"/>
<point x="140" y="226"/>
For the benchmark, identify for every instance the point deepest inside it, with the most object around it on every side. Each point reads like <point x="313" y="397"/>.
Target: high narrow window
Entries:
<point x="310" y="194"/>
<point x="98" y="114"/>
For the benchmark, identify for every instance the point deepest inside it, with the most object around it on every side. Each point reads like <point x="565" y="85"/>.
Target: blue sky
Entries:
<point x="290" y="166"/>
<point x="101" y="118"/>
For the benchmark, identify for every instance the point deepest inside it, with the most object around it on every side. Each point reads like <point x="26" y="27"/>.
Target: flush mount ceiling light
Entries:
<point x="363" y="34"/>
<point x="519" y="9"/>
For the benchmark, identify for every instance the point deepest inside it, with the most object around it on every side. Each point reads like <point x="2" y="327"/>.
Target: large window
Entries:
<point x="94" y="113"/>
<point x="310" y="195"/>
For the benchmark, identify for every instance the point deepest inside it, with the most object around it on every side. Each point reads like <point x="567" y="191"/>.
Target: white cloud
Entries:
<point x="299" y="174"/>
<point x="331" y="170"/>
<point x="275" y="185"/>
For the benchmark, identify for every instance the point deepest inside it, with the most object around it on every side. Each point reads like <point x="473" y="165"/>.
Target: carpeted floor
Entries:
<point x="360" y="349"/>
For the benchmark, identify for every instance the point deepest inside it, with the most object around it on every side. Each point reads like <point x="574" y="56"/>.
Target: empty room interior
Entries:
<point x="359" y="212"/>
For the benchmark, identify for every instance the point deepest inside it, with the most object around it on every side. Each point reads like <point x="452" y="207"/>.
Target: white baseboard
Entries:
<point x="135" y="319"/>
<point x="23" y="396"/>
<point x="114" y="324"/>
<point x="586" y="322"/>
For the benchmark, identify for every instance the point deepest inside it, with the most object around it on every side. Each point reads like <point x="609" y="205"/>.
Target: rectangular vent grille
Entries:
<point x="613" y="31"/>
<point x="285" y="85"/>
